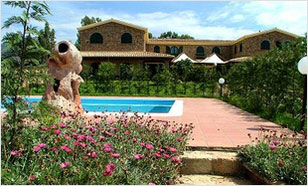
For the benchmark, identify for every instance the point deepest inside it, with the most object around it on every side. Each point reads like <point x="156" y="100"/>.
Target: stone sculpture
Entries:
<point x="64" y="66"/>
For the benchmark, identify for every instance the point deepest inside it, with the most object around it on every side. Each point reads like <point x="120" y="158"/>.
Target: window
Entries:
<point x="235" y="49"/>
<point x="200" y="52"/>
<point x="265" y="45"/>
<point x="216" y="50"/>
<point x="278" y="44"/>
<point x="174" y="51"/>
<point x="126" y="38"/>
<point x="167" y="50"/>
<point x="241" y="47"/>
<point x="157" y="49"/>
<point x="96" y="38"/>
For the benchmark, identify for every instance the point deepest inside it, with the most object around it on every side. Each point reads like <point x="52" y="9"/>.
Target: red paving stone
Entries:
<point x="221" y="125"/>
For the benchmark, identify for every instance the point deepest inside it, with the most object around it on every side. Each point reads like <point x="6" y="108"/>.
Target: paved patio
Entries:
<point x="221" y="125"/>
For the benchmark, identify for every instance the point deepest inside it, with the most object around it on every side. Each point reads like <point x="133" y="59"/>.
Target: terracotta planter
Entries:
<point x="257" y="178"/>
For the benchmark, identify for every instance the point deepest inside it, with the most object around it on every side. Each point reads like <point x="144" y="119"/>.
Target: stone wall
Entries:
<point x="191" y="50"/>
<point x="252" y="46"/>
<point x="112" y="33"/>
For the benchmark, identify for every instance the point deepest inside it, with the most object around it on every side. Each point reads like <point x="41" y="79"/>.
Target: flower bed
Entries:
<point x="103" y="150"/>
<point x="278" y="158"/>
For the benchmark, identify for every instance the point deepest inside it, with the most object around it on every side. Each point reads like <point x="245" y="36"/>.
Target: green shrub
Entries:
<point x="278" y="158"/>
<point x="103" y="150"/>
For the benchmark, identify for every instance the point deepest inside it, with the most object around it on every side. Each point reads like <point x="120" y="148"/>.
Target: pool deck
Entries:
<point x="218" y="125"/>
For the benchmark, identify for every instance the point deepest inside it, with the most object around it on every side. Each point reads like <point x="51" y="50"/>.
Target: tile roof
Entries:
<point x="124" y="54"/>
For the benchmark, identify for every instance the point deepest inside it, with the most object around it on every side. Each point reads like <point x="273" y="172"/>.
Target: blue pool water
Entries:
<point x="118" y="105"/>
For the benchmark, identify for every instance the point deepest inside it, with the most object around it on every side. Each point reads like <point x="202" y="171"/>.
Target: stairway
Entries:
<point x="212" y="167"/>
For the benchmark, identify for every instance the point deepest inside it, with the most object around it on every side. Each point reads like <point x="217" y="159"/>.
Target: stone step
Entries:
<point x="211" y="162"/>
<point x="213" y="180"/>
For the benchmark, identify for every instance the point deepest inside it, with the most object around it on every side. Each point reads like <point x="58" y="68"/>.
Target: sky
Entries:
<point x="222" y="20"/>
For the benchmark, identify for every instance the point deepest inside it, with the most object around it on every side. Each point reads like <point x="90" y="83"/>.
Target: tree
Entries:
<point x="173" y="35"/>
<point x="86" y="21"/>
<point x="105" y="74"/>
<point x="22" y="53"/>
<point x="47" y="40"/>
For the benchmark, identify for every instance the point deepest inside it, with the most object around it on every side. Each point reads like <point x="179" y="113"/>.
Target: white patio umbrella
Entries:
<point x="213" y="60"/>
<point x="181" y="57"/>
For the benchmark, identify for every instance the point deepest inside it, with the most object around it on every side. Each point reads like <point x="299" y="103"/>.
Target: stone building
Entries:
<point x="120" y="42"/>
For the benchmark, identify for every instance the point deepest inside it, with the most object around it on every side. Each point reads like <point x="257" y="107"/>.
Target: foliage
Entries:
<point x="104" y="150"/>
<point x="174" y="35"/>
<point x="278" y="158"/>
<point x="270" y="83"/>
<point x="47" y="40"/>
<point x="23" y="51"/>
<point x="106" y="73"/>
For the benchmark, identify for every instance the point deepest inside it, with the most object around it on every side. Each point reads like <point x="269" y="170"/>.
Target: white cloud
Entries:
<point x="237" y="18"/>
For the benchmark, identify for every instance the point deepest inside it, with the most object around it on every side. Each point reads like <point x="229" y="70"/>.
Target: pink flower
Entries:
<point x="62" y="125"/>
<point x="67" y="138"/>
<point x="108" y="149"/>
<point x="166" y="156"/>
<point x="109" y="133"/>
<point x="110" y="122"/>
<point x="157" y="132"/>
<point x="107" y="145"/>
<point x="54" y="149"/>
<point x="75" y="135"/>
<point x="84" y="145"/>
<point x="124" y="119"/>
<point x="115" y="155"/>
<point x="152" y="184"/>
<point x="36" y="148"/>
<point x="31" y="178"/>
<point x="149" y="146"/>
<point x="272" y="147"/>
<point x="179" y="139"/>
<point x="125" y="126"/>
<point x="138" y="157"/>
<point x="161" y="150"/>
<point x="142" y="144"/>
<point x="81" y="138"/>
<point x="66" y="149"/>
<point x="102" y="138"/>
<point x="157" y="155"/>
<point x="171" y="149"/>
<point x="175" y="159"/>
<point x="76" y="143"/>
<point x="42" y="145"/>
<point x="276" y="142"/>
<point x="57" y="132"/>
<point x="173" y="130"/>
<point x="109" y="169"/>
<point x="134" y="140"/>
<point x="127" y="132"/>
<point x="16" y="153"/>
<point x="93" y="154"/>
<point x="64" y="165"/>
<point x="54" y="127"/>
<point x="304" y="168"/>
<point x="45" y="129"/>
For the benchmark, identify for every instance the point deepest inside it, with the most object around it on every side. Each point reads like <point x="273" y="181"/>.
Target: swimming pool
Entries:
<point x="114" y="105"/>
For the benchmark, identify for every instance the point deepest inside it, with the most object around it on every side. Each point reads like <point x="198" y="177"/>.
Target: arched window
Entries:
<point x="96" y="38"/>
<point x="216" y="50"/>
<point x="157" y="49"/>
<point x="265" y="45"/>
<point x="126" y="38"/>
<point x="278" y="44"/>
<point x="167" y="49"/>
<point x="174" y="51"/>
<point x="200" y="52"/>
